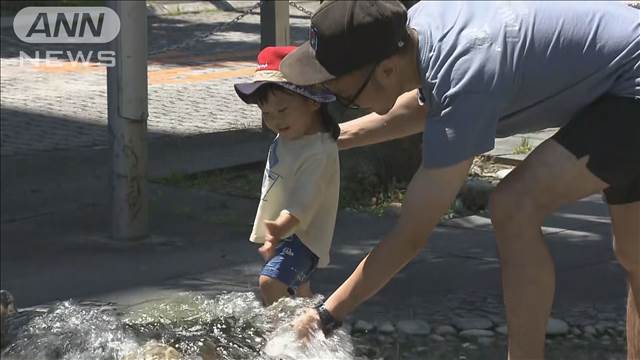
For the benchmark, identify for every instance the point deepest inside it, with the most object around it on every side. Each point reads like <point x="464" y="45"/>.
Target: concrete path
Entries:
<point x="199" y="244"/>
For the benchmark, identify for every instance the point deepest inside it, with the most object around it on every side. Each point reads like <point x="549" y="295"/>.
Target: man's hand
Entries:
<point x="306" y="324"/>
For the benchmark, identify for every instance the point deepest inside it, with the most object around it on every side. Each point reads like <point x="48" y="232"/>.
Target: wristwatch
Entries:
<point x="327" y="322"/>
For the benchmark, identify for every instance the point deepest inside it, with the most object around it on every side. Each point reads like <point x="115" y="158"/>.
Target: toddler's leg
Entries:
<point x="272" y="290"/>
<point x="304" y="290"/>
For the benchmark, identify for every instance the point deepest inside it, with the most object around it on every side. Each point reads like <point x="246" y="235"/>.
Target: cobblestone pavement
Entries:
<point x="63" y="105"/>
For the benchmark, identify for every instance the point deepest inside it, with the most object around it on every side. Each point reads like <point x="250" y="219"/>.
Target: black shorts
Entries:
<point x="608" y="131"/>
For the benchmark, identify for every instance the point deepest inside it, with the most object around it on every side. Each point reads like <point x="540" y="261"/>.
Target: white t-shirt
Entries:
<point x="302" y="177"/>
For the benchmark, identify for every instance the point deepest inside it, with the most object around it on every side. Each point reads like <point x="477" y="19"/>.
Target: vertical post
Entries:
<point x="128" y="112"/>
<point x="274" y="23"/>
<point x="274" y="27"/>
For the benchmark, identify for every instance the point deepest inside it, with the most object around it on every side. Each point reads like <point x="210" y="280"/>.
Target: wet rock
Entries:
<point x="557" y="327"/>
<point x="7" y="303"/>
<point x="362" y="326"/>
<point x="472" y="333"/>
<point x="414" y="327"/>
<point x="575" y="331"/>
<point x="347" y="327"/>
<point x="475" y="193"/>
<point x="502" y="329"/>
<point x="385" y="339"/>
<point x="472" y="323"/>
<point x="496" y="319"/>
<point x="603" y="326"/>
<point x="386" y="327"/>
<point x="209" y="351"/>
<point x="583" y="322"/>
<point x="590" y="330"/>
<point x="436" y="337"/>
<point x="445" y="330"/>
<point x="155" y="351"/>
<point x="7" y="309"/>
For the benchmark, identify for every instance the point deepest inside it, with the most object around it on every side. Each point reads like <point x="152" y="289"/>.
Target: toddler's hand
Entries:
<point x="273" y="231"/>
<point x="268" y="250"/>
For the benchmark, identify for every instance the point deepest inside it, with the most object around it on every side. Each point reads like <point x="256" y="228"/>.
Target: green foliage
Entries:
<point x="524" y="148"/>
<point x="242" y="181"/>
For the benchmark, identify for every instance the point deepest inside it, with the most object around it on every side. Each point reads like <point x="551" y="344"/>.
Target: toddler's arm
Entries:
<point x="275" y="230"/>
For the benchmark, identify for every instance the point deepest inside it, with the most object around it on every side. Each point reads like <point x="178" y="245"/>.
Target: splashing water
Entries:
<point x="233" y="326"/>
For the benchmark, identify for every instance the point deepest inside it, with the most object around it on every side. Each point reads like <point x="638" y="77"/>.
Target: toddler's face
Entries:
<point x="288" y="114"/>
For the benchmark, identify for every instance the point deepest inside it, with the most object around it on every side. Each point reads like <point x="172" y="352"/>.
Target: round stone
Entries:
<point x="436" y="337"/>
<point x="472" y="323"/>
<point x="486" y="341"/>
<point x="576" y="331"/>
<point x="362" y="326"/>
<point x="557" y="327"/>
<point x="473" y="333"/>
<point x="502" y="329"/>
<point x="386" y="327"/>
<point x="590" y="330"/>
<point x="445" y="330"/>
<point x="414" y="327"/>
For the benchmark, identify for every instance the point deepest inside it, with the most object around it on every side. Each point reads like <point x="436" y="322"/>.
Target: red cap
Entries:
<point x="269" y="63"/>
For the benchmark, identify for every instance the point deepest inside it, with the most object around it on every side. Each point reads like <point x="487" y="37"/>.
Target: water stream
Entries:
<point x="232" y="326"/>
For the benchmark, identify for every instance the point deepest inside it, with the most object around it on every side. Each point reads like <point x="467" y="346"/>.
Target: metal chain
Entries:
<point x="201" y="37"/>
<point x="295" y="5"/>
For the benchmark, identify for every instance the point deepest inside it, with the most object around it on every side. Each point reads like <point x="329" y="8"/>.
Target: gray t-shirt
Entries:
<point x="493" y="69"/>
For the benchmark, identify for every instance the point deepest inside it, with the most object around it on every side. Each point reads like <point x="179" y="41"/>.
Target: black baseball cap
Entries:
<point x="345" y="36"/>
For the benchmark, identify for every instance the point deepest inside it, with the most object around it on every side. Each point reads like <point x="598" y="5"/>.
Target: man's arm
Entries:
<point x="406" y="118"/>
<point x="430" y="193"/>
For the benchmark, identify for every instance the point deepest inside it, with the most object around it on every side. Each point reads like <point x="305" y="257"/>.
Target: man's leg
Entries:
<point x="626" y="230"/>
<point x="550" y="176"/>
<point x="633" y="327"/>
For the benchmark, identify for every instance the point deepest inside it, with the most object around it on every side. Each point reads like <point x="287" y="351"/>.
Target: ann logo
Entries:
<point x="66" y="24"/>
<point x="41" y="25"/>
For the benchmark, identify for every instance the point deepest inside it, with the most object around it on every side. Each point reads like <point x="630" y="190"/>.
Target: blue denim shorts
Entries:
<point x="293" y="263"/>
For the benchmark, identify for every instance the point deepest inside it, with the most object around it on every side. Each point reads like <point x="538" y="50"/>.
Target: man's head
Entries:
<point x="354" y="49"/>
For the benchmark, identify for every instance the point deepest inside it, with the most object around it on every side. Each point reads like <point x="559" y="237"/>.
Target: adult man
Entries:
<point x="476" y="70"/>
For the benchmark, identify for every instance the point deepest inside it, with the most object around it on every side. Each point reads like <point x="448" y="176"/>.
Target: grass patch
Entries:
<point x="524" y="148"/>
<point x="243" y="181"/>
<point x="360" y="192"/>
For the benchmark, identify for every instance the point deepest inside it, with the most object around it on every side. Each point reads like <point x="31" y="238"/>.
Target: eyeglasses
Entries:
<point x="350" y="102"/>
